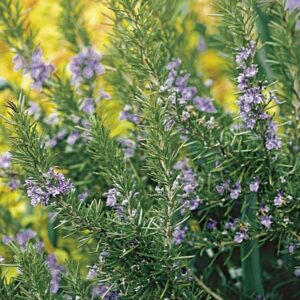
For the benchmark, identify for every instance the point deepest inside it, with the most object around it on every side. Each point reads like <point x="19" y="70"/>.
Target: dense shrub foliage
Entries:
<point x="192" y="200"/>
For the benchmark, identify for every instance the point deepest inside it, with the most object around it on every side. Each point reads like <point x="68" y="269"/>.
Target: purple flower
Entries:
<point x="263" y="209"/>
<point x="292" y="4"/>
<point x="52" y="119"/>
<point x="189" y="183"/>
<point x="266" y="221"/>
<point x="235" y="191"/>
<point x="254" y="185"/>
<point x="292" y="248"/>
<point x="93" y="270"/>
<point x="245" y="53"/>
<point x="220" y="189"/>
<point x="240" y="236"/>
<point x="7" y="239"/>
<point x="185" y="93"/>
<point x="5" y="160"/>
<point x="34" y="110"/>
<point x="62" y="133"/>
<point x="88" y="106"/>
<point x="231" y="224"/>
<point x="73" y="137"/>
<point x="252" y="101"/>
<point x="128" y="147"/>
<point x="82" y="197"/>
<point x="204" y="105"/>
<point x="278" y="200"/>
<point x="55" y="270"/>
<point x="102" y="291"/>
<point x="211" y="224"/>
<point x="55" y="185"/>
<point x="24" y="236"/>
<point x="14" y="184"/>
<point x="38" y="69"/>
<point x="51" y="143"/>
<point x="193" y="204"/>
<point x="85" y="66"/>
<point x="19" y="62"/>
<point x="273" y="141"/>
<point x="179" y="234"/>
<point x="103" y="255"/>
<point x="174" y="64"/>
<point x="111" y="197"/>
<point x="182" y="164"/>
<point x="127" y="115"/>
<point x="104" y="95"/>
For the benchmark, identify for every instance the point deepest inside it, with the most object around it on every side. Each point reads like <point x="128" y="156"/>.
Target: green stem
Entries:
<point x="250" y="255"/>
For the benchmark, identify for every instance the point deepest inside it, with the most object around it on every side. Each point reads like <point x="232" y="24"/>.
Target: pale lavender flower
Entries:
<point x="273" y="141"/>
<point x="128" y="147"/>
<point x="104" y="95"/>
<point x="252" y="101"/>
<point x="103" y="255"/>
<point x="189" y="182"/>
<point x="34" y="110"/>
<point x="182" y="164"/>
<point x="55" y="270"/>
<point x="19" y="62"/>
<point x="263" y="209"/>
<point x="186" y="94"/>
<point x="179" y="234"/>
<point x="5" y="160"/>
<point x="254" y="185"/>
<point x="204" y="105"/>
<point x="292" y="248"/>
<point x="266" y="221"/>
<point x="82" y="197"/>
<point x="102" y="291"/>
<point x="56" y="185"/>
<point x="14" y="184"/>
<point x="111" y="197"/>
<point x="240" y="236"/>
<point x="73" y="137"/>
<point x="126" y="114"/>
<point x="292" y="4"/>
<point x="231" y="224"/>
<point x="235" y="191"/>
<point x="88" y="106"/>
<point x="193" y="204"/>
<point x="245" y="53"/>
<point x="174" y="64"/>
<point x="211" y="224"/>
<point x="38" y="69"/>
<point x="7" y="239"/>
<point x="85" y="66"/>
<point x="92" y="273"/>
<point x="36" y="193"/>
<point x="1" y="259"/>
<point x="51" y="143"/>
<point x="278" y="200"/>
<point x="62" y="133"/>
<point x="51" y="119"/>
<point x="220" y="189"/>
<point x="24" y="236"/>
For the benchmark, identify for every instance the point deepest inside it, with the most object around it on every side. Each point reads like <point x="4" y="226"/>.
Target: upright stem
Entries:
<point x="250" y="255"/>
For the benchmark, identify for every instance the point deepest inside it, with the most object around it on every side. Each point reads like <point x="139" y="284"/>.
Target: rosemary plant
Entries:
<point x="190" y="202"/>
